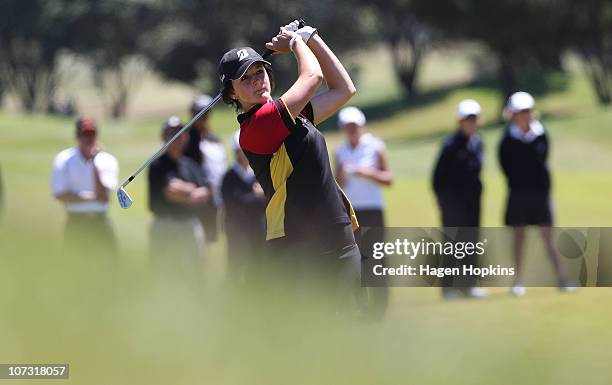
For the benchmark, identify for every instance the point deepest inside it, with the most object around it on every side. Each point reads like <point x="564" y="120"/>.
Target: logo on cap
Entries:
<point x="242" y="54"/>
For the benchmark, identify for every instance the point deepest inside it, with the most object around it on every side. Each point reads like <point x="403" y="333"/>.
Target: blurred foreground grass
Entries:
<point x="131" y="326"/>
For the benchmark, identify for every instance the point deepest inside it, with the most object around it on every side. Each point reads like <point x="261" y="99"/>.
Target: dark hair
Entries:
<point x="227" y="89"/>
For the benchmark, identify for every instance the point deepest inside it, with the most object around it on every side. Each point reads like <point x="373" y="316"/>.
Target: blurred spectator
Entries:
<point x="523" y="156"/>
<point x="456" y="182"/>
<point x="245" y="213"/>
<point x="82" y="178"/>
<point x="206" y="149"/>
<point x="177" y="190"/>
<point x="362" y="169"/>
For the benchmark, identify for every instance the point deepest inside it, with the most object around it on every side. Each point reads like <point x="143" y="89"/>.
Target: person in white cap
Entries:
<point x="208" y="151"/>
<point x="523" y="155"/>
<point x="362" y="168"/>
<point x="245" y="214"/>
<point x="458" y="188"/>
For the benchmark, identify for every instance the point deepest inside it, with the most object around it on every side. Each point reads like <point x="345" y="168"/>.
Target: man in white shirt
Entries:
<point x="82" y="179"/>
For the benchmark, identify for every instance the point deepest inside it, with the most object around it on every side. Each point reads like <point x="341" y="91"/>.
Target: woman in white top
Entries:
<point x="362" y="168"/>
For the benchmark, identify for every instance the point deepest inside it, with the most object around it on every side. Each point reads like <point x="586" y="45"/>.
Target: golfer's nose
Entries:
<point x="259" y="78"/>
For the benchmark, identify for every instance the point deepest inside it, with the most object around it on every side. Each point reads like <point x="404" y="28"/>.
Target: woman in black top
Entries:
<point x="457" y="185"/>
<point x="309" y="221"/>
<point x="523" y="155"/>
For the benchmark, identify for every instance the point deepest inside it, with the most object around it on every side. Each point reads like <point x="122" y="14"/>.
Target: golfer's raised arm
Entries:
<point x="339" y="83"/>
<point x="309" y="72"/>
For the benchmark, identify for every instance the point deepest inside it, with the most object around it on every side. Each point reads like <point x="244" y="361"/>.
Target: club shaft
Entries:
<point x="204" y="110"/>
<point x="171" y="140"/>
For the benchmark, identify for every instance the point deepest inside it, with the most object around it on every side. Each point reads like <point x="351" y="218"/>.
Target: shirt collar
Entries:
<point x="245" y="115"/>
<point x="535" y="130"/>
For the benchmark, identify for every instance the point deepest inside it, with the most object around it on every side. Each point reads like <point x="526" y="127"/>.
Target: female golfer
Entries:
<point x="523" y="156"/>
<point x="307" y="213"/>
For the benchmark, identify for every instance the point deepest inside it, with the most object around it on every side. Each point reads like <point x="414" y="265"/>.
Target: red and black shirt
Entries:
<point x="290" y="159"/>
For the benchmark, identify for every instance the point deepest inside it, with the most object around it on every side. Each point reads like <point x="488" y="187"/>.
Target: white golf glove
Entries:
<point x="293" y="26"/>
<point x="305" y="32"/>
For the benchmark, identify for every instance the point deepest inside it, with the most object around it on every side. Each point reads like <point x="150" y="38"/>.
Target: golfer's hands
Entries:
<point x="280" y="43"/>
<point x="293" y="26"/>
<point x="305" y="32"/>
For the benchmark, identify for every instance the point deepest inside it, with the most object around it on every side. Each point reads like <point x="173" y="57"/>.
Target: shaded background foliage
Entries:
<point x="183" y="39"/>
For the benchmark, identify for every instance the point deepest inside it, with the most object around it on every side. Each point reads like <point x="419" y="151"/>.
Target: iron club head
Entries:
<point x="125" y="201"/>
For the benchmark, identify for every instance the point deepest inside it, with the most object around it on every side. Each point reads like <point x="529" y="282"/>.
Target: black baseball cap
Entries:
<point x="237" y="61"/>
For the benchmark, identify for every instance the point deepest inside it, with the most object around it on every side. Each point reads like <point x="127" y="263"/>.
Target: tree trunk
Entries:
<point x="598" y="64"/>
<point x="507" y="76"/>
<point x="601" y="79"/>
<point x="407" y="56"/>
<point x="119" y="107"/>
<point x="29" y="75"/>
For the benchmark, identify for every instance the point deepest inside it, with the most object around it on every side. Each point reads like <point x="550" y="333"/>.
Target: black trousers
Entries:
<point x="460" y="220"/>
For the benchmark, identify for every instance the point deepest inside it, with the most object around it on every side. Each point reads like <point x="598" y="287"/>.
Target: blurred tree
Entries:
<point x="523" y="35"/>
<point x="591" y="37"/>
<point x="109" y="34"/>
<point x="188" y="45"/>
<point x="32" y="34"/>
<point x="406" y="36"/>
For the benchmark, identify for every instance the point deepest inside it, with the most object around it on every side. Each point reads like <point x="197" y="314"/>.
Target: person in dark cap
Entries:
<point x="205" y="148"/>
<point x="457" y="185"/>
<point x="310" y="223"/>
<point x="82" y="179"/>
<point x="177" y="191"/>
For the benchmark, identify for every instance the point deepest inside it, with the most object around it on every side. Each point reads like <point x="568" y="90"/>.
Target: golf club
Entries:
<point x="125" y="201"/>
